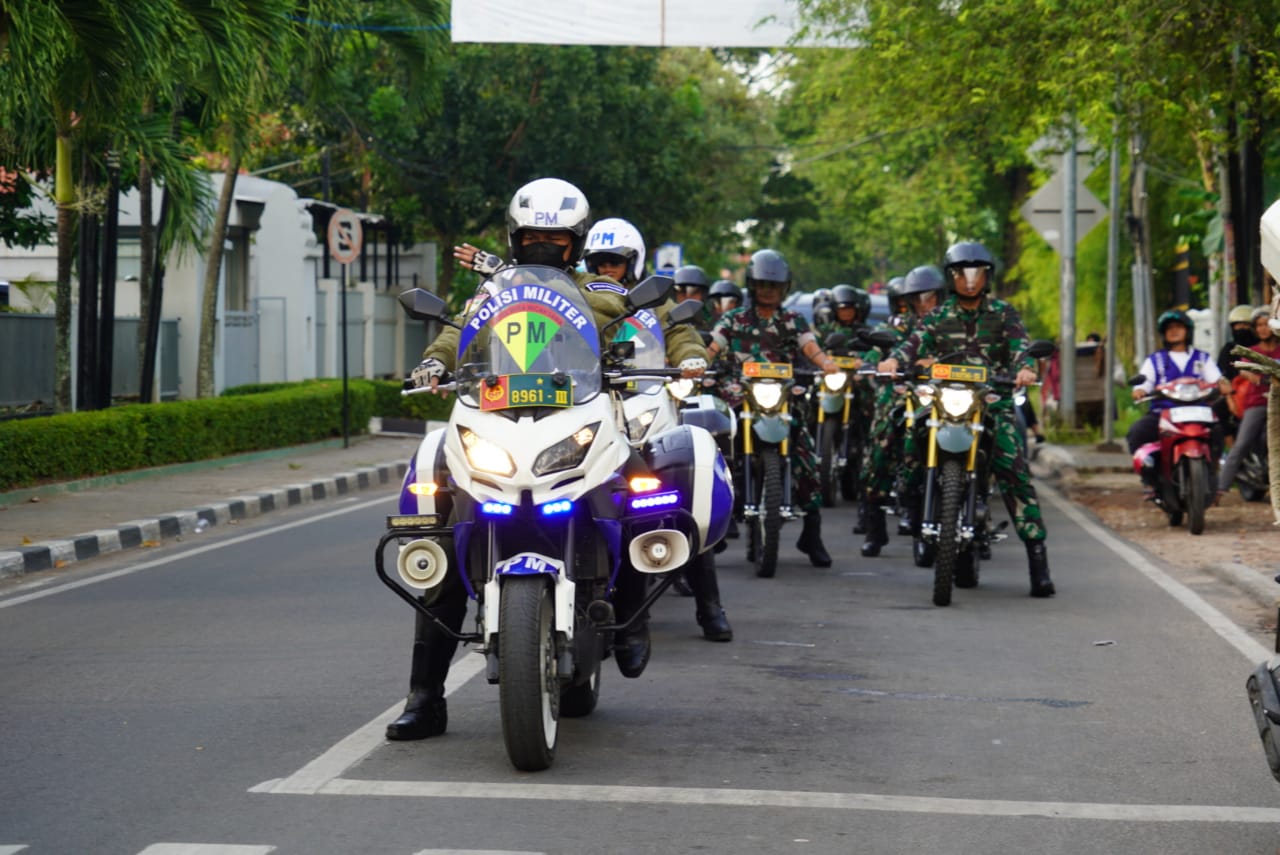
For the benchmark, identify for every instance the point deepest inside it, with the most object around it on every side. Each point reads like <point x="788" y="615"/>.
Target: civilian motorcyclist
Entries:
<point x="887" y="442"/>
<point x="1178" y="359"/>
<point x="976" y="324"/>
<point x="766" y="332"/>
<point x="1251" y="397"/>
<point x="546" y="225"/>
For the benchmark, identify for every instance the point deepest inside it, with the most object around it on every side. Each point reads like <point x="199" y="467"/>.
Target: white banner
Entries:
<point x="661" y="23"/>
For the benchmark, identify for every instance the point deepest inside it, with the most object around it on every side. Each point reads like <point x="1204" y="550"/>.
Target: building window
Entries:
<point x="235" y="264"/>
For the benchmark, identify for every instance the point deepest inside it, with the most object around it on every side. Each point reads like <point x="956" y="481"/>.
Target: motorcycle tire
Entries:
<point x="828" y="461"/>
<point x="528" y="686"/>
<point x="580" y="699"/>
<point x="1252" y="494"/>
<point x="951" y="484"/>
<point x="1197" y="492"/>
<point x="768" y="521"/>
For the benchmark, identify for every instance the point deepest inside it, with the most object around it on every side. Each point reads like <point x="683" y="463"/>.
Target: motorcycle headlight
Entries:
<point x="486" y="456"/>
<point x="835" y="382"/>
<point x="956" y="402"/>
<point x="567" y="453"/>
<point x="680" y="389"/>
<point x="637" y="426"/>
<point x="1188" y="392"/>
<point x="924" y="394"/>
<point x="766" y="395"/>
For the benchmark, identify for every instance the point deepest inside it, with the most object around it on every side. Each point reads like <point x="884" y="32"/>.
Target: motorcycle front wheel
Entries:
<point x="1197" y="482"/>
<point x="528" y="687"/>
<point x="951" y="482"/>
<point x="768" y="522"/>
<point x="828" y="461"/>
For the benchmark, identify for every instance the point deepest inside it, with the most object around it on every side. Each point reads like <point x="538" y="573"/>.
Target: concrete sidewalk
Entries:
<point x="58" y="524"/>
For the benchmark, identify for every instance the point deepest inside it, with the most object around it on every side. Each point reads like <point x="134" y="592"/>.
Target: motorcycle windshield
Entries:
<point x="533" y="342"/>
<point x="645" y="330"/>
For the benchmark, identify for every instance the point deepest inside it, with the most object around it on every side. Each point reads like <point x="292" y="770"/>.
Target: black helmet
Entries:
<point x="921" y="280"/>
<point x="969" y="254"/>
<point x="691" y="276"/>
<point x="1180" y="317"/>
<point x="847" y="295"/>
<point x="768" y="265"/>
<point x="725" y="288"/>
<point x="893" y="290"/>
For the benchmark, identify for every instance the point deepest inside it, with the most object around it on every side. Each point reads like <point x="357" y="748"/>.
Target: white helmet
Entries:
<point x="548" y="205"/>
<point x="616" y="236"/>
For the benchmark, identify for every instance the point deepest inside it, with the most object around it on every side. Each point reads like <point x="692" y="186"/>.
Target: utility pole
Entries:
<point x="1113" y="282"/>
<point x="1067" y="316"/>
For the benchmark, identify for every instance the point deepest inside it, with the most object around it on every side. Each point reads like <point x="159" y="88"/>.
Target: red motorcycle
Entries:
<point x="1183" y="456"/>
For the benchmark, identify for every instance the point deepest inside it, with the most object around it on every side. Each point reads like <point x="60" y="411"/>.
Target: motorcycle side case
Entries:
<point x="1264" y="698"/>
<point x="687" y="459"/>
<point x="712" y="415"/>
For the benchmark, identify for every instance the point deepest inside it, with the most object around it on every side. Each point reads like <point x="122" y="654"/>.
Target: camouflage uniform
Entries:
<point x="742" y="335"/>
<point x="886" y="444"/>
<point x="864" y="390"/>
<point x="991" y="334"/>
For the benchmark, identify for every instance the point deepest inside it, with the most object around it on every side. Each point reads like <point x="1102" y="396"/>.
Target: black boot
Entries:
<point x="904" y="521"/>
<point x="1038" y="564"/>
<point x="810" y="541"/>
<point x="631" y="646"/>
<point x="425" y="714"/>
<point x="706" y="591"/>
<point x="877" y="533"/>
<point x="860" y="522"/>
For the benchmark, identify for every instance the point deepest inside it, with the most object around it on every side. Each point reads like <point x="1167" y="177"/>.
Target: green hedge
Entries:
<point x="81" y="445"/>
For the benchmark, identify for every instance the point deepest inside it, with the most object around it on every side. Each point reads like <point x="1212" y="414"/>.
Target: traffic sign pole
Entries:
<point x="346" y="237"/>
<point x="1067" y="318"/>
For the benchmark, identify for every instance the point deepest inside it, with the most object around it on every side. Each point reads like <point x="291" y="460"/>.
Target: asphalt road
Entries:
<point x="227" y="697"/>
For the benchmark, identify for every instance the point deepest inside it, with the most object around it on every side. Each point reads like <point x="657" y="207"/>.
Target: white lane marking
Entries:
<point x="10" y="850"/>
<point x="200" y="550"/>
<point x="477" y="852"/>
<point x="1228" y="629"/>
<point x="204" y="849"/>
<point x="596" y="793"/>
<point x="312" y="777"/>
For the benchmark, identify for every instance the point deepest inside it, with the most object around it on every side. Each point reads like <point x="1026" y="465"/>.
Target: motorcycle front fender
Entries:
<point x="529" y="564"/>
<point x="771" y="429"/>
<point x="955" y="439"/>
<point x="833" y="404"/>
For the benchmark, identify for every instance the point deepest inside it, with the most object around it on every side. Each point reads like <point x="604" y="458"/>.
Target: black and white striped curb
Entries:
<point x="145" y="532"/>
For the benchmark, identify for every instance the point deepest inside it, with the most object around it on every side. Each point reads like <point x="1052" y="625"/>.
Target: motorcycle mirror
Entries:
<point x="1137" y="380"/>
<point x="883" y="339"/>
<point x="684" y="313"/>
<point x="424" y="306"/>
<point x="1039" y="349"/>
<point x="653" y="291"/>
<point x="622" y="350"/>
<point x="837" y="341"/>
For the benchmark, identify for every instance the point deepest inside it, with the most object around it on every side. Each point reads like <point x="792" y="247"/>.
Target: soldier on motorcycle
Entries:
<point x="692" y="284"/>
<point x="766" y="332"/>
<point x="886" y="442"/>
<point x="972" y="322"/>
<point x="725" y="297"/>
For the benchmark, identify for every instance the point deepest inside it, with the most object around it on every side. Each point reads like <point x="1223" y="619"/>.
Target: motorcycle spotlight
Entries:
<point x="659" y="551"/>
<point x="422" y="564"/>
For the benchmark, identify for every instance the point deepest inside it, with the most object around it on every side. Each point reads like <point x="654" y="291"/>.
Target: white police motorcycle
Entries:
<point x="538" y="491"/>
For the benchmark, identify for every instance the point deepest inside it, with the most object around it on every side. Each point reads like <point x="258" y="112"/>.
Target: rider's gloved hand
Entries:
<point x="428" y="373"/>
<point x="486" y="263"/>
<point x="694" y="366"/>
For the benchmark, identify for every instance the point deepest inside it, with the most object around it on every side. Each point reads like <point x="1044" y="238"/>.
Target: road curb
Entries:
<point x="1259" y="587"/>
<point x="51" y="554"/>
